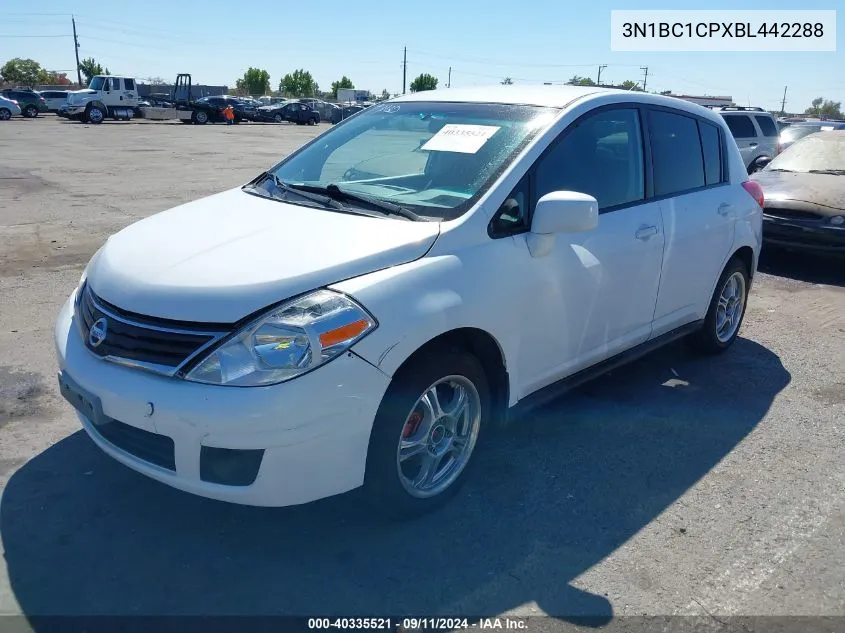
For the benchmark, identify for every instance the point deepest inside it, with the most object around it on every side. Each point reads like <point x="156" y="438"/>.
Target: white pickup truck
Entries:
<point x="106" y="96"/>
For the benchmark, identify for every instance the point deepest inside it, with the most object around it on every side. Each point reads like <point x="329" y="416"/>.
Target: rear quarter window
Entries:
<point x="767" y="125"/>
<point x="711" y="149"/>
<point x="676" y="153"/>
<point x="740" y="125"/>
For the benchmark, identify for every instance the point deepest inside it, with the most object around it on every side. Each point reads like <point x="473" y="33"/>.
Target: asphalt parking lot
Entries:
<point x="673" y="486"/>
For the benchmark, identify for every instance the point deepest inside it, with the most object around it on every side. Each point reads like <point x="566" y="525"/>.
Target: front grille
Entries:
<point x="151" y="447"/>
<point x="140" y="338"/>
<point x="791" y="214"/>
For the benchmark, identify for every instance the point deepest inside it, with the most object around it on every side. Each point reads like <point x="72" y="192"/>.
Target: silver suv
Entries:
<point x="755" y="133"/>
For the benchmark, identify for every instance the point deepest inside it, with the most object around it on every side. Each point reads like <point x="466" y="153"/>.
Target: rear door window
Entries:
<point x="767" y="125"/>
<point x="129" y="84"/>
<point x="676" y="153"/>
<point x="741" y="126"/>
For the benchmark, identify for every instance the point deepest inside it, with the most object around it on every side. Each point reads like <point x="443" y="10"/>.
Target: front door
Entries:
<point x="596" y="290"/>
<point x="112" y="92"/>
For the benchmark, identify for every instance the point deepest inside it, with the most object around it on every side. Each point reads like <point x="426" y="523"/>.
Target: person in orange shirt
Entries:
<point x="229" y="114"/>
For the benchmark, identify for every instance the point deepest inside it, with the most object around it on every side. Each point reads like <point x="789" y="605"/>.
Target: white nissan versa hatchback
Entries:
<point x="365" y="311"/>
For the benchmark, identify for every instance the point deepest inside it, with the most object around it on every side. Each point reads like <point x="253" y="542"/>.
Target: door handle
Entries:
<point x="752" y="145"/>
<point x="646" y="232"/>
<point x="724" y="208"/>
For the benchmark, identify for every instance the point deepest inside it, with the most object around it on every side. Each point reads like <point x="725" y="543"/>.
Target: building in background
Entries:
<point x="352" y="94"/>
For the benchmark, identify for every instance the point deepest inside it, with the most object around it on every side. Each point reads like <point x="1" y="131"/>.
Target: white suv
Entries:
<point x="755" y="132"/>
<point x="364" y="312"/>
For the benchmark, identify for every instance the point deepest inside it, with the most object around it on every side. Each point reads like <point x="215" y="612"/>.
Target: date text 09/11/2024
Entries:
<point x="417" y="624"/>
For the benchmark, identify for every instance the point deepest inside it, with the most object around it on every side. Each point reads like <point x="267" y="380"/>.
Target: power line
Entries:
<point x="35" y="35"/>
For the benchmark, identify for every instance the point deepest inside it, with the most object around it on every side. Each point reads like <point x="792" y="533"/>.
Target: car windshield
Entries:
<point x="97" y="83"/>
<point x="820" y="152"/>
<point x="435" y="159"/>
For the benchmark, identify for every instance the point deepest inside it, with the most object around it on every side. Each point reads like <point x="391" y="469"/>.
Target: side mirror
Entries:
<point x="565" y="212"/>
<point x="759" y="163"/>
<point x="560" y="212"/>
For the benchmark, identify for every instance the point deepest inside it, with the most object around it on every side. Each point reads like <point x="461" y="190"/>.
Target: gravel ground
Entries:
<point x="675" y="486"/>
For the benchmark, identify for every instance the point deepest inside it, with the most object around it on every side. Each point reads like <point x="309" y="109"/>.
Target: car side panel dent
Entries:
<point x="426" y="299"/>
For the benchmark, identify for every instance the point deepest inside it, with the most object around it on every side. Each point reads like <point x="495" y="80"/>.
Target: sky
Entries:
<point x="482" y="42"/>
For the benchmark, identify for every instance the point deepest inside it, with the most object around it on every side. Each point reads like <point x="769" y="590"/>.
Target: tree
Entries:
<point x="155" y="81"/>
<point x="90" y="67"/>
<point x="299" y="83"/>
<point x="634" y="86"/>
<point x="507" y="81"/>
<point x="424" y="82"/>
<point x="254" y="82"/>
<point x="825" y="107"/>
<point x="385" y="95"/>
<point x="25" y="72"/>
<point x="344" y="82"/>
<point x="50" y="78"/>
<point x="577" y="80"/>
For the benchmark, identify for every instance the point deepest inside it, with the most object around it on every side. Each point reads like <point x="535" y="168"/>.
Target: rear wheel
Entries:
<point x="425" y="433"/>
<point x="726" y="311"/>
<point x="5" y="114"/>
<point x="200" y="117"/>
<point x="30" y="111"/>
<point x="277" y="118"/>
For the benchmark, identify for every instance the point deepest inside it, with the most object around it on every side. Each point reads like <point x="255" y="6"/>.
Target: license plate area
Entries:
<point x="82" y="400"/>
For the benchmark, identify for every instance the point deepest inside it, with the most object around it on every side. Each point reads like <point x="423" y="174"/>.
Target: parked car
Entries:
<point x="31" y="102"/>
<point x="210" y="109"/>
<point x="312" y="332"/>
<point x="799" y="130"/>
<point x="343" y="111"/>
<point x="55" y="99"/>
<point x="8" y="108"/>
<point x="294" y="112"/>
<point x="755" y="133"/>
<point x="805" y="195"/>
<point x="324" y="108"/>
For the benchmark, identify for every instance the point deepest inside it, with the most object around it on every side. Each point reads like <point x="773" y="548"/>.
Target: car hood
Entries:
<point x="825" y="191"/>
<point x="221" y="258"/>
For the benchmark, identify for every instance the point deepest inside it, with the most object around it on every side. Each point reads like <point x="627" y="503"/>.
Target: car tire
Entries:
<point x="5" y="114"/>
<point x="277" y="118"/>
<point x="726" y="311"/>
<point x="403" y="414"/>
<point x="94" y="115"/>
<point x="200" y="117"/>
<point x="30" y="112"/>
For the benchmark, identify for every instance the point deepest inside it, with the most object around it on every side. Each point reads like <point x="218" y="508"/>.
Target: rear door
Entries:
<point x="691" y="180"/>
<point x="112" y="95"/>
<point x="745" y="134"/>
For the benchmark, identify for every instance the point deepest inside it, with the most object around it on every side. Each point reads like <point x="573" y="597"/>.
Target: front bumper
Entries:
<point x="310" y="435"/>
<point x="809" y="235"/>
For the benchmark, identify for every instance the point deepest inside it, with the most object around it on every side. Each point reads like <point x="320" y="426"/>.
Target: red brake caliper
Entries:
<point x="412" y="424"/>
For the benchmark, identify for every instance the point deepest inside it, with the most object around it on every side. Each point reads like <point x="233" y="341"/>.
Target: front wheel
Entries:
<point x="200" y="117"/>
<point x="5" y="114"/>
<point x="95" y="115"/>
<point x="425" y="433"/>
<point x="726" y="311"/>
<point x="30" y="111"/>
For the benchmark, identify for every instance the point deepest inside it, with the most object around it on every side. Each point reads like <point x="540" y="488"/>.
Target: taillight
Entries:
<point x="755" y="191"/>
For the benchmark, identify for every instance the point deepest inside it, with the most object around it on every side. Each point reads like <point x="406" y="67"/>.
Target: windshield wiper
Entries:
<point x="832" y="172"/>
<point x="326" y="201"/>
<point x="382" y="205"/>
<point x="792" y="171"/>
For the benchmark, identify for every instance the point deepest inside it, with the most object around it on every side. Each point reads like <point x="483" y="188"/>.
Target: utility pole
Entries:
<point x="783" y="103"/>
<point x="76" y="51"/>
<point x="449" y="82"/>
<point x="404" y="69"/>
<point x="645" y="79"/>
<point x="598" y="79"/>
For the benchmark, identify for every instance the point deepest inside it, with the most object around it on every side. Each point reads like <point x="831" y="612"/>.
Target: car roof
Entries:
<point x="550" y="96"/>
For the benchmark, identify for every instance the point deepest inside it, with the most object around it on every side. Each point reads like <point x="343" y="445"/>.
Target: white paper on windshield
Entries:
<point x="456" y="137"/>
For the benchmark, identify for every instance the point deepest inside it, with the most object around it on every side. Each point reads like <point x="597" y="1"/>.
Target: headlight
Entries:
<point x="837" y="220"/>
<point x="286" y="342"/>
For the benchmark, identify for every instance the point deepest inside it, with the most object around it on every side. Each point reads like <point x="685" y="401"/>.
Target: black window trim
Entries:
<point x="643" y="110"/>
